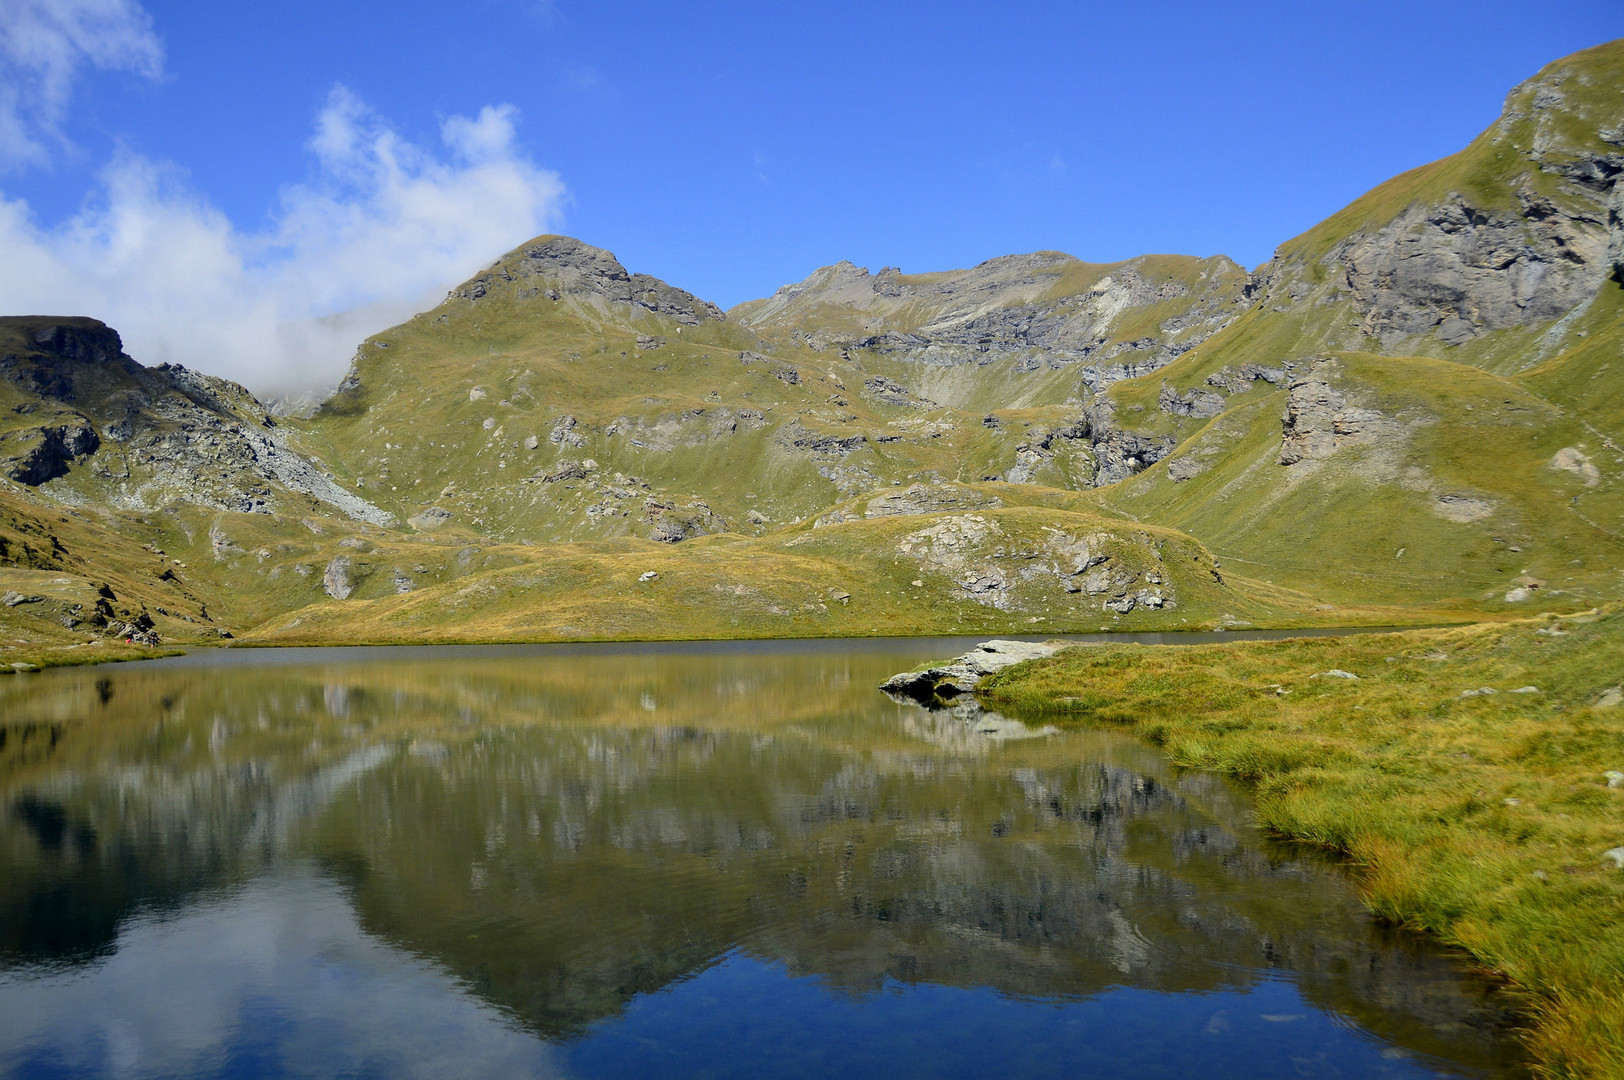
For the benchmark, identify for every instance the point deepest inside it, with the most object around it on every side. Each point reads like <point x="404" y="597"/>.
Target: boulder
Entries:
<point x="935" y="685"/>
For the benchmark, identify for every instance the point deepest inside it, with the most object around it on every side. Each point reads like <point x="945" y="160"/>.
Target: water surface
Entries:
<point x="679" y="860"/>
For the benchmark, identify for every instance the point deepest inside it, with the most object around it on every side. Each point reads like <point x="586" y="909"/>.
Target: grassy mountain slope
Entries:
<point x="1410" y="409"/>
<point x="1443" y="352"/>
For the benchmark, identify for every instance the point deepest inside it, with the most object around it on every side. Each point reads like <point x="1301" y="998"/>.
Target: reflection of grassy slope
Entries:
<point x="1413" y="780"/>
<point x="1337" y="527"/>
<point x="564" y="832"/>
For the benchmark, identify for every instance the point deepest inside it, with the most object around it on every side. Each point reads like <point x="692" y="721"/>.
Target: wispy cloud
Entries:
<point x="44" y="45"/>
<point x="386" y="226"/>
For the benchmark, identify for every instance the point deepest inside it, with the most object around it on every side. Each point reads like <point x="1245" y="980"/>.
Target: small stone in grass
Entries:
<point x="1616" y="855"/>
<point x="1334" y="673"/>
<point x="1614" y="778"/>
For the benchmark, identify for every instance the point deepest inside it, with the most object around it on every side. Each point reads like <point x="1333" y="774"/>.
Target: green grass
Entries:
<point x="1365" y="525"/>
<point x="1480" y="819"/>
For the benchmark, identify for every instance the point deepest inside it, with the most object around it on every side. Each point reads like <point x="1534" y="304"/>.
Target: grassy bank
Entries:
<point x="1481" y="817"/>
<point x="33" y="657"/>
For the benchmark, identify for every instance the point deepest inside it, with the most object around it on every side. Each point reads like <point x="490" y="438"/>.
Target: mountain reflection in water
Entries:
<point x="592" y="863"/>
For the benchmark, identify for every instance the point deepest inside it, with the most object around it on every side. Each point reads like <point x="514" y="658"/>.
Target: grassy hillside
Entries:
<point x="1452" y="489"/>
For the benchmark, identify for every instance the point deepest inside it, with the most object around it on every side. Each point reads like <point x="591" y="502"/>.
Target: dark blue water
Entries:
<point x="681" y="862"/>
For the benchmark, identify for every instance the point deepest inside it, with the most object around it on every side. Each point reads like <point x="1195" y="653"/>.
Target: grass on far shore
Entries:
<point x="1483" y="818"/>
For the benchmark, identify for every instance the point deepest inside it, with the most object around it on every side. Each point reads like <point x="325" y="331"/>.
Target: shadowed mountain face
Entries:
<point x="567" y="833"/>
<point x="1411" y="409"/>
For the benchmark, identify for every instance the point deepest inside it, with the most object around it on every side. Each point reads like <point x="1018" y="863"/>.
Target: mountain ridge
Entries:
<point x="1431" y="362"/>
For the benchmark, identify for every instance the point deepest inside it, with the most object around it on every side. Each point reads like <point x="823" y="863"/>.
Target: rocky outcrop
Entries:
<point x="1319" y="421"/>
<point x="671" y="523"/>
<point x="1018" y="308"/>
<point x="1519" y="229"/>
<point x="35" y="456"/>
<point x="1239" y="381"/>
<point x="797" y="436"/>
<point x="676" y="431"/>
<point x="1200" y="404"/>
<point x="1119" y="453"/>
<point x="336" y="580"/>
<point x="563" y="268"/>
<point x="1457" y="271"/>
<point x="889" y="392"/>
<point x="143" y="437"/>
<point x="938" y="685"/>
<point x="929" y="499"/>
<point x="1098" y="570"/>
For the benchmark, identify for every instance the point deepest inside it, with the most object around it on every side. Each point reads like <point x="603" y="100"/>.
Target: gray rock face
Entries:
<point x="1118" y="453"/>
<point x="889" y="392"/>
<point x="35" y="456"/>
<point x="1200" y="404"/>
<point x="1445" y="271"/>
<point x="560" y="267"/>
<point x="336" y="581"/>
<point x="676" y="431"/>
<point x="671" y="523"/>
<point x="564" y="433"/>
<point x="937" y="685"/>
<point x="1458" y="271"/>
<point x="1238" y="382"/>
<point x="1318" y="421"/>
<point x="1014" y="308"/>
<point x="429" y="518"/>
<point x="797" y="436"/>
<point x="86" y="341"/>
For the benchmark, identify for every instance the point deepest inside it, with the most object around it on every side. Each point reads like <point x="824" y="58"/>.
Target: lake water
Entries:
<point x="651" y="861"/>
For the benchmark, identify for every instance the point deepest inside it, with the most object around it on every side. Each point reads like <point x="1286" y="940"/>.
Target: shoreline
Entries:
<point x="45" y="656"/>
<point x="1471" y="807"/>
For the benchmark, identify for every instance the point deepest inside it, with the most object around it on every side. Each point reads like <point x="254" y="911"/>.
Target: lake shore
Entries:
<point x="1464" y="770"/>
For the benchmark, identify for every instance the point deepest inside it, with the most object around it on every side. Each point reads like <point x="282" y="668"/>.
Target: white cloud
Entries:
<point x="43" y="46"/>
<point x="385" y="229"/>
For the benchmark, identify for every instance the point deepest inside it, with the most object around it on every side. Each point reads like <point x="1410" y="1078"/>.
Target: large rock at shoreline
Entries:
<point x="961" y="674"/>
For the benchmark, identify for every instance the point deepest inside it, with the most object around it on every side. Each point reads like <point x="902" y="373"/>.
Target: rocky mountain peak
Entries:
<point x="72" y="337"/>
<point x="562" y="268"/>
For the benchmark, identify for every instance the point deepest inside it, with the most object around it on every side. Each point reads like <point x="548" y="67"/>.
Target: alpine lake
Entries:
<point x="683" y="860"/>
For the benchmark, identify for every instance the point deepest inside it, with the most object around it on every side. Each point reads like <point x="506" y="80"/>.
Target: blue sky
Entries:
<point x="250" y="188"/>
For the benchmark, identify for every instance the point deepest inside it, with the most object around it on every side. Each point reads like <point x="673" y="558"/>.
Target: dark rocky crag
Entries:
<point x="101" y="428"/>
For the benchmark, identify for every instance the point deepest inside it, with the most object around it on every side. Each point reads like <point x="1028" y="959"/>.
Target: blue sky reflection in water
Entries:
<point x="661" y="864"/>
